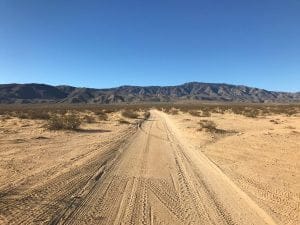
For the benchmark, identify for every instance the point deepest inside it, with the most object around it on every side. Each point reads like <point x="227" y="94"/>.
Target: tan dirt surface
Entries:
<point x="155" y="176"/>
<point x="260" y="155"/>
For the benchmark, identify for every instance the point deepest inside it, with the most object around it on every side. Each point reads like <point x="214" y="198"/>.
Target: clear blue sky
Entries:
<point x="108" y="43"/>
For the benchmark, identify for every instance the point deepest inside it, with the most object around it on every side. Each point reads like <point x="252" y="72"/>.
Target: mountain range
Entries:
<point x="197" y="91"/>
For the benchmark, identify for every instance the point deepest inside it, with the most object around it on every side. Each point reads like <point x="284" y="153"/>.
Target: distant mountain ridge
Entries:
<point x="42" y="93"/>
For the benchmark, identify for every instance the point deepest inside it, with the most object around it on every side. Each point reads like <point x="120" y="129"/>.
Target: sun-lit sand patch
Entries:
<point x="262" y="156"/>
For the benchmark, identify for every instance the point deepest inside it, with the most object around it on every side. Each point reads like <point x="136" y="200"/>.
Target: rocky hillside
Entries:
<point x="41" y="93"/>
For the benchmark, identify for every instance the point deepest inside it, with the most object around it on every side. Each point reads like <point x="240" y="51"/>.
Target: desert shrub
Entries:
<point x="205" y="114"/>
<point x="291" y="112"/>
<point x="166" y="110"/>
<point x="194" y="113"/>
<point x="109" y="110"/>
<point x="31" y="114"/>
<point x="220" y="110"/>
<point x="89" y="119"/>
<point x="98" y="112"/>
<point x="21" y="115"/>
<point x="174" y="111"/>
<point x="184" y="109"/>
<point x="146" y="115"/>
<point x="251" y="113"/>
<point x="5" y="117"/>
<point x="211" y="126"/>
<point x="55" y="122"/>
<point x="63" y="122"/>
<point x="238" y="110"/>
<point x="71" y="121"/>
<point x="129" y="114"/>
<point x="38" y="115"/>
<point x="208" y="125"/>
<point x="274" y="121"/>
<point x="101" y="115"/>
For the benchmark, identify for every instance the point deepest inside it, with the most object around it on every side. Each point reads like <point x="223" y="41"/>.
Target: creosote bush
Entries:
<point x="195" y="113"/>
<point x="102" y="115"/>
<point x="208" y="125"/>
<point x="32" y="114"/>
<point x="89" y="119"/>
<point x="129" y="114"/>
<point x="64" y="122"/>
<point x="146" y="115"/>
<point x="174" y="111"/>
<point x="205" y="114"/>
<point x="251" y="113"/>
<point x="211" y="126"/>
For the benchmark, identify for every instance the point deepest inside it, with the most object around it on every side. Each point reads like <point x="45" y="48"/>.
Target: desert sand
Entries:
<point x="165" y="171"/>
<point x="260" y="155"/>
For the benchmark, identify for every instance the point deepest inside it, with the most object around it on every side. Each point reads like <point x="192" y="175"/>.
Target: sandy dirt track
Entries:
<point x="152" y="178"/>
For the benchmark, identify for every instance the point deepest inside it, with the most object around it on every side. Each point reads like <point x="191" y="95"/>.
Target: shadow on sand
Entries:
<point x="92" y="131"/>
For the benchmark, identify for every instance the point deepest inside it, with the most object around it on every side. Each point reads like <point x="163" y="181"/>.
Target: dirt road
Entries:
<point x="153" y="179"/>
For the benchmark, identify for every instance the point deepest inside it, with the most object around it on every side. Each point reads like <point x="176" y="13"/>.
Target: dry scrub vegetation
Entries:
<point x="247" y="110"/>
<point x="70" y="117"/>
<point x="64" y="122"/>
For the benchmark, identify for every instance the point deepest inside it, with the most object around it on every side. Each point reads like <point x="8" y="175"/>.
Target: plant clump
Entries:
<point x="64" y="122"/>
<point x="129" y="114"/>
<point x="195" y="113"/>
<point x="146" y="115"/>
<point x="89" y="119"/>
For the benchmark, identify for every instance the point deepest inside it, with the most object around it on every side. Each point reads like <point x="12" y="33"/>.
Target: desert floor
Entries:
<point x="260" y="155"/>
<point x="165" y="171"/>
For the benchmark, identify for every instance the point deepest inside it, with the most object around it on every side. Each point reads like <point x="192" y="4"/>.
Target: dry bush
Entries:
<point x="251" y="113"/>
<point x="195" y="113"/>
<point x="166" y="110"/>
<point x="21" y="115"/>
<point x="173" y="111"/>
<point x="220" y="110"/>
<point x="208" y="125"/>
<point x="109" y="110"/>
<point x="129" y="114"/>
<point x="31" y="114"/>
<point x="211" y="126"/>
<point x="55" y="122"/>
<point x="205" y="113"/>
<point x="38" y="115"/>
<point x="71" y="121"/>
<point x="5" y="117"/>
<point x="102" y="115"/>
<point x="146" y="115"/>
<point x="274" y="121"/>
<point x="291" y="112"/>
<point x="89" y="119"/>
<point x="248" y="111"/>
<point x="64" y="122"/>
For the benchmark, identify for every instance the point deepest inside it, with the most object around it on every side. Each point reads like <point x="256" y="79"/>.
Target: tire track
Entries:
<point x="51" y="197"/>
<point x="149" y="179"/>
